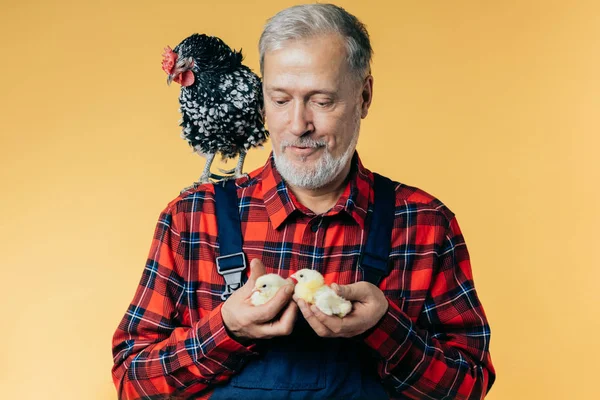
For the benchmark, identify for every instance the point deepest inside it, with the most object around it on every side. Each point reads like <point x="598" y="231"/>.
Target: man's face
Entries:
<point x="313" y="109"/>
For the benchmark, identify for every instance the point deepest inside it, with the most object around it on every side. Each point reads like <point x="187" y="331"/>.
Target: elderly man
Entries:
<point x="417" y="329"/>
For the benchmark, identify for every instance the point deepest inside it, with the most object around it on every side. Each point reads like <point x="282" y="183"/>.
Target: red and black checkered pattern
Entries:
<point x="433" y="342"/>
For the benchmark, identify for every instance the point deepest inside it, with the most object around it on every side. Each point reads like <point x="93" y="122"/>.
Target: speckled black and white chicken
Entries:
<point x="221" y="99"/>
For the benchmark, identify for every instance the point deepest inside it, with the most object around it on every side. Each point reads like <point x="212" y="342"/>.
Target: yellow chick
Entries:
<point x="265" y="288"/>
<point x="311" y="288"/>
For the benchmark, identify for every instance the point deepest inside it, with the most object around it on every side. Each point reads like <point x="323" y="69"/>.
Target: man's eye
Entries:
<point x="323" y="104"/>
<point x="280" y="102"/>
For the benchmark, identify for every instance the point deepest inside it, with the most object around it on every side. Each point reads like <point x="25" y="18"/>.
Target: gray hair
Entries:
<point x="309" y="20"/>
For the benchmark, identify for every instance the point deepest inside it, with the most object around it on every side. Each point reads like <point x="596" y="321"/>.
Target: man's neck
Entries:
<point x="322" y="199"/>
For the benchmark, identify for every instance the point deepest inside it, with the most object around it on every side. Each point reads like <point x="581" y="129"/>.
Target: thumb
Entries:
<point x="257" y="269"/>
<point x="349" y="292"/>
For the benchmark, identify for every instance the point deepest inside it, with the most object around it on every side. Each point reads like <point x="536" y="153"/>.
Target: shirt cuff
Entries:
<point x="392" y="336"/>
<point x="217" y="344"/>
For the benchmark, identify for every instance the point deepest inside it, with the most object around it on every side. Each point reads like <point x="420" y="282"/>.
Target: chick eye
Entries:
<point x="265" y="285"/>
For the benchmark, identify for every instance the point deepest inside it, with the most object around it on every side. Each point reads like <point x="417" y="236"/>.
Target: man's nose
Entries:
<point x="301" y="120"/>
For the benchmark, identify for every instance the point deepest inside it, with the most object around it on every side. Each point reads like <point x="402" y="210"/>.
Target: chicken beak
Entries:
<point x="293" y="278"/>
<point x="169" y="79"/>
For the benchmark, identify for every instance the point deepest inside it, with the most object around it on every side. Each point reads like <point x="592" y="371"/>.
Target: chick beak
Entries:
<point x="255" y="290"/>
<point x="293" y="278"/>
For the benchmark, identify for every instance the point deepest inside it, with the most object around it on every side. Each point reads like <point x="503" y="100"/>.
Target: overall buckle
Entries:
<point x="231" y="266"/>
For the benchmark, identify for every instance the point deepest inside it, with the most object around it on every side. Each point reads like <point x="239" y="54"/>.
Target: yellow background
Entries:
<point x="490" y="105"/>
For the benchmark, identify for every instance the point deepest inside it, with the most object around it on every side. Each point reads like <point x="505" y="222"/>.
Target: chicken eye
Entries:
<point x="301" y="275"/>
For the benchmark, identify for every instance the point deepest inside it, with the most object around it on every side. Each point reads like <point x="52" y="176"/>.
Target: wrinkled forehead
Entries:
<point x="317" y="63"/>
<point x="332" y="40"/>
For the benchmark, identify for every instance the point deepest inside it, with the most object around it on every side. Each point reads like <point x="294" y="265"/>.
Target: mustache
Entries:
<point x="303" y="142"/>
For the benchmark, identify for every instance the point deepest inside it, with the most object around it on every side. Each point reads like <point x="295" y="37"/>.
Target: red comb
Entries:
<point x="169" y="60"/>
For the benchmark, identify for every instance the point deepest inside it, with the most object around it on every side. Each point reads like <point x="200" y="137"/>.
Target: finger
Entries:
<point x="342" y="290"/>
<point x="257" y="269"/>
<point x="281" y="327"/>
<point x="270" y="309"/>
<point x="312" y="320"/>
<point x="285" y="324"/>
<point x="334" y="323"/>
<point x="348" y="326"/>
<point x="291" y="281"/>
<point x="337" y="289"/>
<point x="353" y="292"/>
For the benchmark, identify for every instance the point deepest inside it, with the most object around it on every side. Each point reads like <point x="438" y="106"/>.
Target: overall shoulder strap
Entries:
<point x="231" y="262"/>
<point x="375" y="257"/>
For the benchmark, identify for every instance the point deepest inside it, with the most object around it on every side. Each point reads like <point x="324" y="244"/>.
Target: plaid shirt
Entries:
<point x="433" y="342"/>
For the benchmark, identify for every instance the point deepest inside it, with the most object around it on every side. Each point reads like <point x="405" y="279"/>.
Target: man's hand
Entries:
<point x="245" y="321"/>
<point x="368" y="307"/>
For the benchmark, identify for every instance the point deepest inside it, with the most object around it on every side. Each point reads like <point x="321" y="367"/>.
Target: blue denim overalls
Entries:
<point x="304" y="365"/>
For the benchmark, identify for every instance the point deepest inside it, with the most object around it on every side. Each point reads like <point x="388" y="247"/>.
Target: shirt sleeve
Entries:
<point x="445" y="352"/>
<point x="157" y="352"/>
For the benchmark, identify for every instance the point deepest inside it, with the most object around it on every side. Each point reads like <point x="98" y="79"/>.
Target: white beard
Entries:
<point x="323" y="171"/>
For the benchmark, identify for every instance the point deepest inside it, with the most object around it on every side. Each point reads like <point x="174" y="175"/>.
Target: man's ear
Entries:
<point x="366" y="96"/>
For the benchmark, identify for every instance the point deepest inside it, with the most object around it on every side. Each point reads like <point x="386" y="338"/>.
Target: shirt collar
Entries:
<point x="281" y="203"/>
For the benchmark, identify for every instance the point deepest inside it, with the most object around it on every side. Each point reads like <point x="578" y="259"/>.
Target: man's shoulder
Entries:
<point x="196" y="192"/>
<point x="198" y="196"/>
<point x="414" y="198"/>
<point x="191" y="200"/>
